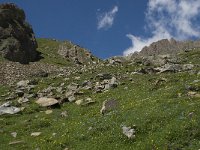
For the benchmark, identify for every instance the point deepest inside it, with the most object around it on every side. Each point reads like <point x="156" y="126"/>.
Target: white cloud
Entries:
<point x="106" y="19"/>
<point x="168" y="19"/>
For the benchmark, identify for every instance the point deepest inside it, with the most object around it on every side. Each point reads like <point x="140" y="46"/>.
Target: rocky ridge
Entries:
<point x="165" y="47"/>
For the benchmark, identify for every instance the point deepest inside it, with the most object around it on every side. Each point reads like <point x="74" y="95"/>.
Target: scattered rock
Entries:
<point x="85" y="102"/>
<point x="174" y="68"/>
<point x="23" y="83"/>
<point x="106" y="85"/>
<point x="85" y="83"/>
<point x="73" y="87"/>
<point x="64" y="114"/>
<point x="191" y="114"/>
<point x="116" y="60"/>
<point x="19" y="93"/>
<point x="187" y="67"/>
<point x="40" y="73"/>
<point x="23" y="100"/>
<point x="79" y="102"/>
<point x="14" y="134"/>
<point x="159" y="81"/>
<point x="77" y="78"/>
<point x="76" y="54"/>
<point x="148" y="70"/>
<point x="104" y="76"/>
<point x="48" y="112"/>
<point x="71" y="98"/>
<point x="7" y="109"/>
<point x="69" y="93"/>
<point x="45" y="102"/>
<point x="129" y="132"/>
<point x="113" y="82"/>
<point x="35" y="134"/>
<point x="193" y="94"/>
<point x="59" y="89"/>
<point x="108" y="105"/>
<point x="54" y="134"/>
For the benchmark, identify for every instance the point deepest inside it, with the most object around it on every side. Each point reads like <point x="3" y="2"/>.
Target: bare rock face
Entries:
<point x="17" y="40"/>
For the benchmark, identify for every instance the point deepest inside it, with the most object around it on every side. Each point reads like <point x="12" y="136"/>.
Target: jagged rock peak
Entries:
<point x="17" y="40"/>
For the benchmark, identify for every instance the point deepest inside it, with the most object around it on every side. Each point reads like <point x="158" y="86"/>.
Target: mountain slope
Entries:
<point x="163" y="108"/>
<point x="69" y="99"/>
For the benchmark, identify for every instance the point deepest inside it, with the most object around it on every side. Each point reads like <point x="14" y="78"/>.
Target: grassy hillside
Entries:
<point x="165" y="115"/>
<point x="49" y="52"/>
<point x="48" y="49"/>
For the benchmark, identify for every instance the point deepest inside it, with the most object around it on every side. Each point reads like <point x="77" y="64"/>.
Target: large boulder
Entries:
<point x="17" y="40"/>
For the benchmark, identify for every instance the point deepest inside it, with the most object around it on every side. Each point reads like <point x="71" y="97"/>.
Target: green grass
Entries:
<point x="191" y="56"/>
<point x="48" y="49"/>
<point x="161" y="113"/>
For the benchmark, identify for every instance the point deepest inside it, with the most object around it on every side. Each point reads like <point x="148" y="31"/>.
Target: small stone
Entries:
<point x="23" y="100"/>
<point x="108" y="105"/>
<point x="59" y="89"/>
<point x="19" y="93"/>
<point x="53" y="134"/>
<point x="35" y="134"/>
<point x="90" y="128"/>
<point x="62" y="84"/>
<point x="179" y="94"/>
<point x="23" y="83"/>
<point x="88" y="101"/>
<point x="104" y="76"/>
<point x="129" y="132"/>
<point x="48" y="112"/>
<point x="193" y="94"/>
<point x="66" y="79"/>
<point x="64" y="114"/>
<point x="73" y="87"/>
<point x="126" y="88"/>
<point x="79" y="102"/>
<point x="45" y="102"/>
<point x="22" y="108"/>
<point x="113" y="82"/>
<point x="191" y="114"/>
<point x="7" y="109"/>
<point x="14" y="134"/>
<point x="71" y="99"/>
<point x="77" y="78"/>
<point x="187" y="67"/>
<point x="69" y="93"/>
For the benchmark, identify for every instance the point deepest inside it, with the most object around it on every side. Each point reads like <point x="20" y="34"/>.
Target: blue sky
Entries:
<point x="111" y="27"/>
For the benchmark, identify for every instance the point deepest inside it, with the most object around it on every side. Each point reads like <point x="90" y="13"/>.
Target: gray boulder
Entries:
<point x="7" y="109"/>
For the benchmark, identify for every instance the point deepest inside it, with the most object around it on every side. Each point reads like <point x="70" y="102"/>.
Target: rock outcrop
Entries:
<point x="17" y="40"/>
<point x="76" y="54"/>
<point x="164" y="47"/>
